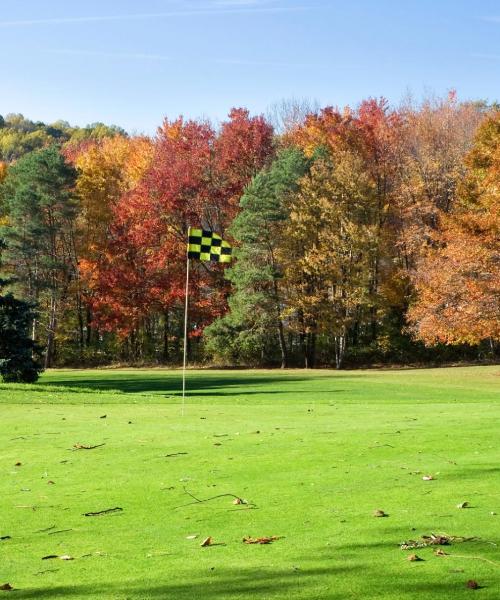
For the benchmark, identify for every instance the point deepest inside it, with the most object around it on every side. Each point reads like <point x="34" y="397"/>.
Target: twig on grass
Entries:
<point x="198" y="501"/>
<point x="174" y="454"/>
<point x="60" y="531"/>
<point x="46" y="529"/>
<point x="381" y="446"/>
<point x="103" y="512"/>
<point x="491" y="562"/>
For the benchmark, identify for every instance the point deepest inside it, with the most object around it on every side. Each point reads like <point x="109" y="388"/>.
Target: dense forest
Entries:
<point x="368" y="235"/>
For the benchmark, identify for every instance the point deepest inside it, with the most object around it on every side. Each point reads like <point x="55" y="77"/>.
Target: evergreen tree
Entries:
<point x="40" y="232"/>
<point x="18" y="353"/>
<point x="254" y="322"/>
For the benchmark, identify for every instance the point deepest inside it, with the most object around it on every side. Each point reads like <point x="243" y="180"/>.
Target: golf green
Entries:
<point x="312" y="455"/>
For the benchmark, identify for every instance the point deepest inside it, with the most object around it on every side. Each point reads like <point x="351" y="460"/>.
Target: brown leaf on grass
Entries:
<point x="427" y="540"/>
<point x="6" y="587"/>
<point x="379" y="513"/>
<point x="85" y="447"/>
<point x="436" y="540"/>
<point x="207" y="542"/>
<point x="414" y="558"/>
<point x="18" y="464"/>
<point x="440" y="552"/>
<point x="239" y="501"/>
<point x="261" y="540"/>
<point x="472" y="584"/>
<point x="50" y="482"/>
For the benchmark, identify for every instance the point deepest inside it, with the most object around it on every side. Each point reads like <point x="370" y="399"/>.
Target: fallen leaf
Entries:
<point x="239" y="501"/>
<point x="436" y="540"/>
<point x="18" y="464"/>
<point x="50" y="482"/>
<point x="440" y="552"/>
<point x="427" y="540"/>
<point x="66" y="557"/>
<point x="260" y="540"/>
<point x="85" y="447"/>
<point x="379" y="513"/>
<point x="463" y="505"/>
<point x="191" y="537"/>
<point x="472" y="584"/>
<point x="103" y="417"/>
<point x="414" y="558"/>
<point x="6" y="587"/>
<point x="207" y="542"/>
<point x="428" y="478"/>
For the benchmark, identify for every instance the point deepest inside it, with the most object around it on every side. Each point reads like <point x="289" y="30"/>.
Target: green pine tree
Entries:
<point x="19" y="358"/>
<point x="254" y="326"/>
<point x="41" y="209"/>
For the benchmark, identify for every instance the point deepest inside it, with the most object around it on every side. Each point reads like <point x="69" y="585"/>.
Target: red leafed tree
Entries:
<point x="195" y="179"/>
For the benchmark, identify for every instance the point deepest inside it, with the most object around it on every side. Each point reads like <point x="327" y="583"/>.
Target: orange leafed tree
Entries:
<point x="458" y="280"/>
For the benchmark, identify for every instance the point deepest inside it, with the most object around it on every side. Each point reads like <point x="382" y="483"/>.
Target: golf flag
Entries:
<point x="207" y="245"/>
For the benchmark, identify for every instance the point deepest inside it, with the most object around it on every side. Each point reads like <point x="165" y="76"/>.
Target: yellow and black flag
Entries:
<point x="207" y="245"/>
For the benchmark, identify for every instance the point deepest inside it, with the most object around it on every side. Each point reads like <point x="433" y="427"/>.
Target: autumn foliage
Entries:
<point x="361" y="234"/>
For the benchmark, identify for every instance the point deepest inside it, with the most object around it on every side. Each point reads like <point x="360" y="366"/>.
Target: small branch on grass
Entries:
<point x="381" y="446"/>
<point x="175" y="454"/>
<point x="46" y="571"/>
<point x="60" y="531"/>
<point x="107" y="511"/>
<point x="198" y="501"/>
<point x="46" y="529"/>
<point x="491" y="562"/>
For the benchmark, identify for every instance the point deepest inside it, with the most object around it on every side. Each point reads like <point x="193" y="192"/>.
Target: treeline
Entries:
<point x="361" y="236"/>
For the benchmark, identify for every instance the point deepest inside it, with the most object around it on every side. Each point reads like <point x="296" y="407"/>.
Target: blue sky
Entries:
<point x="132" y="63"/>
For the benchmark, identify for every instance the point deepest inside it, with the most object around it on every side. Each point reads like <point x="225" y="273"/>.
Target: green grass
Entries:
<point x="314" y="452"/>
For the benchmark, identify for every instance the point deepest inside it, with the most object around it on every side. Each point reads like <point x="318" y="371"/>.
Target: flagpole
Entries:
<point x="185" y="338"/>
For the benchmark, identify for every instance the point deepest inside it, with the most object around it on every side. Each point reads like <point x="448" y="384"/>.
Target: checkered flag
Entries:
<point x="207" y="245"/>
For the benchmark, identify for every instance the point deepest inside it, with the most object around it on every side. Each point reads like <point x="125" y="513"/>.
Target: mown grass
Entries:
<point x="314" y="453"/>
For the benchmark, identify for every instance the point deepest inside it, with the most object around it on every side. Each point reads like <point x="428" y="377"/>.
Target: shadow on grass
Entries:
<point x="334" y="582"/>
<point x="217" y="583"/>
<point x="171" y="383"/>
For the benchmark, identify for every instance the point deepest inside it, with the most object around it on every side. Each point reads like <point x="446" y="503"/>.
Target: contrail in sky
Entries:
<point x="238" y="9"/>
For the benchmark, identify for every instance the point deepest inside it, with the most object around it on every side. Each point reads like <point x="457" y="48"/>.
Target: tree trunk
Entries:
<point x="283" y="348"/>
<point x="340" y="345"/>
<point x="281" y="332"/>
<point x="88" y="339"/>
<point x="49" y="353"/>
<point x="311" y="350"/>
<point x="165" y="337"/>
